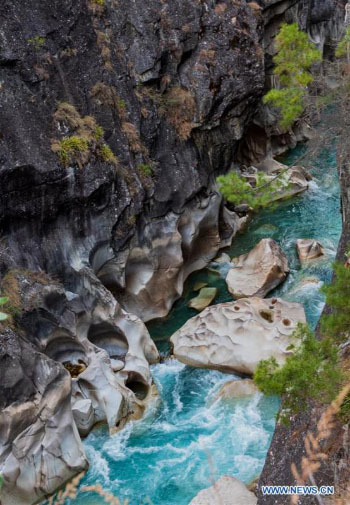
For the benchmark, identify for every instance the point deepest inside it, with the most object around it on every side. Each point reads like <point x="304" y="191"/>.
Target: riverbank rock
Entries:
<point x="309" y="249"/>
<point x="259" y="271"/>
<point x="237" y="389"/>
<point x="226" y="491"/>
<point x="292" y="180"/>
<point x="233" y="337"/>
<point x="204" y="298"/>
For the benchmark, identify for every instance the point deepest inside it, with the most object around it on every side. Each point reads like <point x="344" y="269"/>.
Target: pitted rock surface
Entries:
<point x="233" y="337"/>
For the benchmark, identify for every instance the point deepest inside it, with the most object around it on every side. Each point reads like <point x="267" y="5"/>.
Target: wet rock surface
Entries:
<point x="233" y="337"/>
<point x="204" y="298"/>
<point x="259" y="271"/>
<point x="309" y="249"/>
<point x="237" y="389"/>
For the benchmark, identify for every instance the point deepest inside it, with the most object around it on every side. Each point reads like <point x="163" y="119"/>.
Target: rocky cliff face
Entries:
<point x="115" y="118"/>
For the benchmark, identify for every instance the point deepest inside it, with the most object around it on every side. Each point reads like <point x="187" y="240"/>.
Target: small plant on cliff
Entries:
<point x="71" y="149"/>
<point x="294" y="58"/>
<point x="343" y="48"/>
<point x="37" y="42"/>
<point x="106" y="154"/>
<point x="86" y="141"/>
<point x="144" y="169"/>
<point x="237" y="190"/>
<point x="311" y="372"/>
<point x="336" y="325"/>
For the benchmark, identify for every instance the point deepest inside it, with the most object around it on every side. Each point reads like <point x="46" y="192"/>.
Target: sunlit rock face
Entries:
<point x="233" y="337"/>
<point x="309" y="249"/>
<point x="259" y="271"/>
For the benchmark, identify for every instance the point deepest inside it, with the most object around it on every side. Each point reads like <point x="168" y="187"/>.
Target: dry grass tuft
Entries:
<point x="133" y="137"/>
<point x="86" y="142"/>
<point x="311" y="463"/>
<point x="179" y="107"/>
<point x="107" y="95"/>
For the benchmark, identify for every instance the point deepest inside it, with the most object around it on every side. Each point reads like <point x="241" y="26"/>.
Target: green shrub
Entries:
<point x="99" y="132"/>
<point x="37" y="42"/>
<point x="144" y="169"/>
<point x="294" y="58"/>
<point x="343" y="48"/>
<point x="69" y="149"/>
<point x="311" y="372"/>
<point x="86" y="142"/>
<point x="344" y="413"/>
<point x="336" y="325"/>
<point x="106" y="154"/>
<point x="236" y="189"/>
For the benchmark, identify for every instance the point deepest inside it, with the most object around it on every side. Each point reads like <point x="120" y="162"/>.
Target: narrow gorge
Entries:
<point x="116" y="118"/>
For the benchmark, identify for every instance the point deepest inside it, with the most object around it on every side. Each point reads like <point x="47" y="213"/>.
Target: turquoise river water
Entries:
<point x="192" y="438"/>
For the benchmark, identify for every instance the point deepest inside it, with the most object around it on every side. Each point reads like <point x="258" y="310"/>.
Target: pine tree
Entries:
<point x="336" y="325"/>
<point x="294" y="58"/>
<point x="312" y="372"/>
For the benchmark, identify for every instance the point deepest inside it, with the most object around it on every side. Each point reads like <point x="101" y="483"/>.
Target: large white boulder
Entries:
<point x="259" y="271"/>
<point x="233" y="337"/>
<point x="226" y="491"/>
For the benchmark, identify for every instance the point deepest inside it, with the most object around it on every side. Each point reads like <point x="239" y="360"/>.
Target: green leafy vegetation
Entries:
<point x="69" y="149"/>
<point x="237" y="190"/>
<point x="343" y="48"/>
<point x="344" y="413"/>
<point x="106" y="154"/>
<point x="3" y="316"/>
<point x="311" y="372"/>
<point x="37" y="42"/>
<point x="144" y="169"/>
<point x="336" y="325"/>
<point x="294" y="58"/>
<point x="99" y="2"/>
<point x="314" y="371"/>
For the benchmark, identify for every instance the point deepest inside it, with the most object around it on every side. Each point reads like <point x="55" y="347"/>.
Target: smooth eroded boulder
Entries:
<point x="309" y="249"/>
<point x="259" y="271"/>
<point x="237" y="389"/>
<point x="226" y="491"/>
<point x="233" y="337"/>
<point x="204" y="298"/>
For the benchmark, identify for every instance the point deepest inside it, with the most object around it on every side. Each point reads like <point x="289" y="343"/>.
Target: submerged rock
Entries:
<point x="309" y="249"/>
<point x="204" y="298"/>
<point x="259" y="271"/>
<point x="237" y="389"/>
<point x="222" y="258"/>
<point x="226" y="491"/>
<point x="199" y="285"/>
<point x="233" y="337"/>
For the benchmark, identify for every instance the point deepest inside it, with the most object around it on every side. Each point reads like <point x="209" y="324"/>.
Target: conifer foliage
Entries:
<point x="294" y="58"/>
